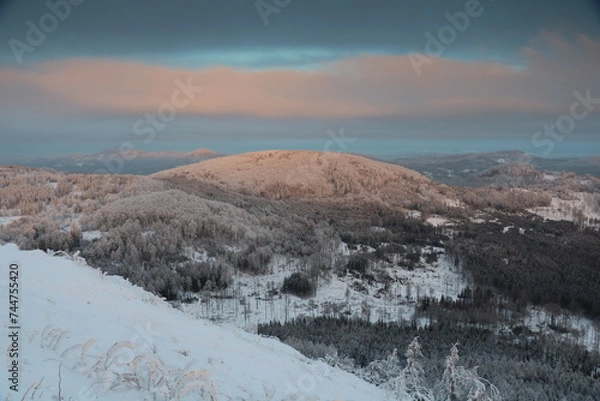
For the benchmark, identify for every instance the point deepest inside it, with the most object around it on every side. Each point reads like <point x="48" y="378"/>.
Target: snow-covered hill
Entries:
<point x="282" y="174"/>
<point x="85" y="336"/>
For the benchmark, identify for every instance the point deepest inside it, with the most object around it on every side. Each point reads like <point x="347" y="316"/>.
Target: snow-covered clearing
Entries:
<point x="6" y="220"/>
<point x="256" y="299"/>
<point x="437" y="221"/>
<point x="580" y="209"/>
<point x="91" y="235"/>
<point x="567" y="326"/>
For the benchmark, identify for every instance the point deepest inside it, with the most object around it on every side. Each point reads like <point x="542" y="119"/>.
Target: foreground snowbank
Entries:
<point x="112" y="341"/>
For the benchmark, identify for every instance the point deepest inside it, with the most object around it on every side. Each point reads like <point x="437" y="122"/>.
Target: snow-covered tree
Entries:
<point x="460" y="384"/>
<point x="382" y="371"/>
<point x="410" y="384"/>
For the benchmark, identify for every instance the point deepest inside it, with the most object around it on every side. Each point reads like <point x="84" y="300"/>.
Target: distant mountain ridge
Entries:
<point x="461" y="169"/>
<point x="475" y="169"/>
<point x="132" y="161"/>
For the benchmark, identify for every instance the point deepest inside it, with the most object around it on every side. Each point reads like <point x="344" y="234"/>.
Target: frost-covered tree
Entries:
<point x="460" y="384"/>
<point x="382" y="371"/>
<point x="410" y="384"/>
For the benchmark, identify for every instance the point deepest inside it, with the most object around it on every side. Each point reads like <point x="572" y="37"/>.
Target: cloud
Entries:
<point x="368" y="85"/>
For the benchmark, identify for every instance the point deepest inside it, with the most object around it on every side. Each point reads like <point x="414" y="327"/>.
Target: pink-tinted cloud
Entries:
<point x="364" y="86"/>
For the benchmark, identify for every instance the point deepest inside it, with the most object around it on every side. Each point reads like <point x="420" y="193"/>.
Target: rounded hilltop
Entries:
<point x="283" y="174"/>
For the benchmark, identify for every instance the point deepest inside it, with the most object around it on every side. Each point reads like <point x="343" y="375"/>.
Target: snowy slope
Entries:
<point x="113" y="341"/>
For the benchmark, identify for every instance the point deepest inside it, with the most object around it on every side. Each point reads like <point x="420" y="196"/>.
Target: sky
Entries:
<point x="377" y="77"/>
